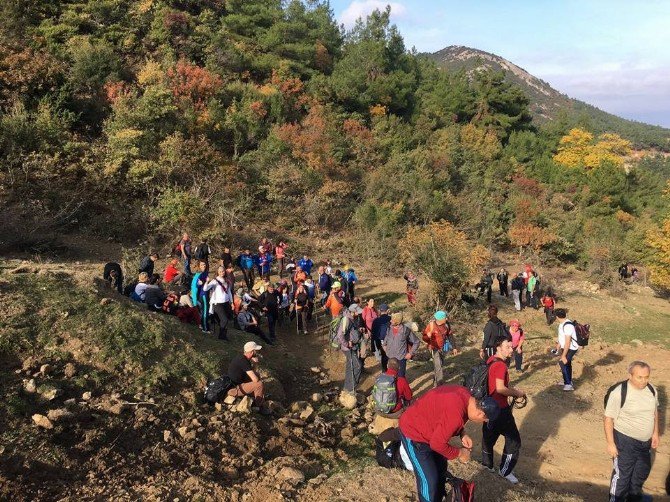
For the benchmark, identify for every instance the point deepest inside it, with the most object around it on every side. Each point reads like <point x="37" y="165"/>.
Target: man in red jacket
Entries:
<point x="403" y="391"/>
<point x="427" y="426"/>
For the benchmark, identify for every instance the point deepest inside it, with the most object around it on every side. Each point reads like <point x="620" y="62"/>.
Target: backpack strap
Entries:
<point x="651" y="389"/>
<point x="624" y="391"/>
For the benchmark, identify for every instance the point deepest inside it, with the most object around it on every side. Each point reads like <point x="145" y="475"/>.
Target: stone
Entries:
<point x="275" y="407"/>
<point x="59" y="415"/>
<point x="105" y="301"/>
<point x="291" y="474"/>
<point x="637" y="342"/>
<point x="317" y="398"/>
<point x="244" y="406"/>
<point x="229" y="400"/>
<point x="307" y="413"/>
<point x="380" y="424"/>
<point x="45" y="369"/>
<point x="315" y="369"/>
<point x="50" y="393"/>
<point x="28" y="364"/>
<point x="42" y="421"/>
<point x="86" y="396"/>
<point x="347" y="400"/>
<point x="70" y="370"/>
<point x="324" y="382"/>
<point x="218" y="406"/>
<point x="167" y="435"/>
<point x="29" y="386"/>
<point x="117" y="408"/>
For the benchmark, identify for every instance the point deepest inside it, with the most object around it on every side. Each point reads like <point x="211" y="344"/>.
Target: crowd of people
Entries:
<point x="361" y="329"/>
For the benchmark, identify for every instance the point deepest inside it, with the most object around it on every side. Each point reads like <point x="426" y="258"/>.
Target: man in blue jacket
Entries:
<point x="246" y="263"/>
<point x="306" y="264"/>
<point x="379" y="328"/>
<point x="325" y="284"/>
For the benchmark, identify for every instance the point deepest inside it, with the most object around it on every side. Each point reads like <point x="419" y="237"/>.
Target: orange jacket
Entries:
<point x="334" y="305"/>
<point x="434" y="335"/>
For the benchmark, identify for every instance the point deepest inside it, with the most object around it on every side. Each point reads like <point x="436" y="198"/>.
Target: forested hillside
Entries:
<point x="130" y="118"/>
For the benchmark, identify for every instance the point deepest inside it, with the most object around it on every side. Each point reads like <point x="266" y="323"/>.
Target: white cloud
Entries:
<point x="362" y="8"/>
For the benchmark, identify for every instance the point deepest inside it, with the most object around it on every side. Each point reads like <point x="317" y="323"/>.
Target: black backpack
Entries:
<point x="624" y="391"/>
<point x="216" y="389"/>
<point x="201" y="252"/>
<point x="387" y="449"/>
<point x="477" y="380"/>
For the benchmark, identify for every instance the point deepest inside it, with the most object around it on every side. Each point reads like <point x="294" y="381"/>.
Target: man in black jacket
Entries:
<point x="269" y="302"/>
<point x="493" y="329"/>
<point x="114" y="276"/>
<point x="518" y="286"/>
<point x="147" y="264"/>
<point x="502" y="282"/>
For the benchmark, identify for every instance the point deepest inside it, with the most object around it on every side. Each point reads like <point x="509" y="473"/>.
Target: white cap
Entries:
<point x="249" y="346"/>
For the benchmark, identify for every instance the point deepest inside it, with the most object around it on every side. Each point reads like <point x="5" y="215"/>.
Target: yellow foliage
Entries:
<point x="150" y="74"/>
<point x="624" y="218"/>
<point x="578" y="149"/>
<point x="267" y="90"/>
<point x="378" y="111"/>
<point x="144" y="6"/>
<point x="482" y="142"/>
<point x="659" y="240"/>
<point x="529" y="235"/>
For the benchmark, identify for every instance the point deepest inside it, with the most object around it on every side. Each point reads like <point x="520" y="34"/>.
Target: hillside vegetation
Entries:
<point x="129" y="119"/>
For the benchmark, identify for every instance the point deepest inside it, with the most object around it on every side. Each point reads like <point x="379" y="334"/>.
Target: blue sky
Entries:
<point x="613" y="54"/>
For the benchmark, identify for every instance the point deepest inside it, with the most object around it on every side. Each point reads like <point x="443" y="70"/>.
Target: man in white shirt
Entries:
<point x="566" y="346"/>
<point x="219" y="303"/>
<point x="631" y="431"/>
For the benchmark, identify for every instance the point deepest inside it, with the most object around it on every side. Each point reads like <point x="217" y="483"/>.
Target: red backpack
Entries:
<point x="461" y="490"/>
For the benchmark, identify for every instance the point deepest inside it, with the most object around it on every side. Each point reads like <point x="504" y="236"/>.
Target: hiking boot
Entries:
<point x="568" y="388"/>
<point x="511" y="478"/>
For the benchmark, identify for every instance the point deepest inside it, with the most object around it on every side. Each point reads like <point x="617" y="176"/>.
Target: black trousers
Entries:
<point x="221" y="320"/>
<point x="258" y="332"/>
<point x="631" y="468"/>
<point x="384" y="358"/>
<point x="503" y="288"/>
<point x="503" y="426"/>
<point x="248" y="274"/>
<point x="430" y="469"/>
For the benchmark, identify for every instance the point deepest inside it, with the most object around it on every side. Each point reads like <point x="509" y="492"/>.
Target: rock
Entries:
<point x="275" y="407"/>
<point x="347" y="400"/>
<point x="29" y="386"/>
<point x="307" y="413"/>
<point x="185" y="434"/>
<point x="50" y="393"/>
<point x="28" y="364"/>
<point x="59" y="415"/>
<point x="229" y="400"/>
<point x="315" y="369"/>
<point x="637" y="342"/>
<point x="291" y="474"/>
<point x="244" y="406"/>
<point x="42" y="421"/>
<point x="70" y="370"/>
<point x="167" y="435"/>
<point x="317" y="398"/>
<point x="70" y="402"/>
<point x="45" y="369"/>
<point x="218" y="406"/>
<point x="105" y="301"/>
<point x="86" y="396"/>
<point x="347" y="432"/>
<point x="380" y="424"/>
<point x="324" y="382"/>
<point x="117" y="408"/>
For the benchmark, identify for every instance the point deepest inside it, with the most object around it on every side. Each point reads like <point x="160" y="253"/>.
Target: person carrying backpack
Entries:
<point x="350" y="338"/>
<point x="200" y="297"/>
<point x="391" y="393"/>
<point x="305" y="263"/>
<point x="400" y="342"/>
<point x="378" y="332"/>
<point x="504" y="425"/>
<point x="440" y="340"/>
<point x="518" y="338"/>
<point x="147" y="264"/>
<point x="566" y="346"/>
<point x="301" y="300"/>
<point x="325" y="282"/>
<point x="202" y="252"/>
<point x="352" y="279"/>
<point x="517" y="291"/>
<point x="631" y="431"/>
<point x="428" y="425"/>
<point x="493" y="329"/>
<point x="549" y="302"/>
<point x="246" y="263"/>
<point x="280" y="255"/>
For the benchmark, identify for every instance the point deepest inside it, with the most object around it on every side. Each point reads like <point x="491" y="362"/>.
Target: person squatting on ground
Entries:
<point x="245" y="377"/>
<point x="440" y="340"/>
<point x="114" y="276"/>
<point x="493" y="329"/>
<point x="378" y="332"/>
<point x="631" y="431"/>
<point x="426" y="428"/>
<point x="249" y="323"/>
<point x="566" y="346"/>
<point x="350" y="338"/>
<point x="504" y="425"/>
<point x="400" y="342"/>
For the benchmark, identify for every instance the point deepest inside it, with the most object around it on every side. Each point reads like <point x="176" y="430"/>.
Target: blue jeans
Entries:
<point x="566" y="369"/>
<point x="187" y="265"/>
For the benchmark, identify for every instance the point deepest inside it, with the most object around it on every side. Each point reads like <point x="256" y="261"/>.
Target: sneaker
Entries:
<point x="511" y="478"/>
<point x="568" y="388"/>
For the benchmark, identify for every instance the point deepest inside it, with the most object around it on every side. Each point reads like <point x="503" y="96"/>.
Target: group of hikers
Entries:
<point x="360" y="330"/>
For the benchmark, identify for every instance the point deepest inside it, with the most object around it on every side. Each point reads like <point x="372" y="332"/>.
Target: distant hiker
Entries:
<point x="334" y="303"/>
<point x="400" y="342"/>
<point x="623" y="271"/>
<point x="139" y="292"/>
<point x="518" y="286"/>
<point x="548" y="301"/>
<point x="301" y="300"/>
<point x="504" y="425"/>
<point x="299" y="276"/>
<point x="532" y="290"/>
<point x="202" y="252"/>
<point x="502" y="282"/>
<point x="389" y="381"/>
<point x="269" y="302"/>
<point x="280" y="256"/>
<point x="369" y="314"/>
<point x="566" y="347"/>
<point x="265" y="265"/>
<point x="246" y="263"/>
<point x="493" y="329"/>
<point x="147" y="264"/>
<point x="154" y="296"/>
<point x="226" y="258"/>
<point x="220" y="303"/>
<point x="486" y="284"/>
<point x="440" y="340"/>
<point x="310" y="287"/>
<point x="635" y="274"/>
<point x="306" y="264"/>
<point x="631" y="431"/>
<point x="172" y="273"/>
<point x="200" y="297"/>
<point x="518" y="338"/>
<point x="245" y="377"/>
<point x="325" y="283"/>
<point x="352" y="280"/>
<point x="328" y="269"/>
<point x="411" y="288"/>
<point x="229" y="277"/>
<point x="378" y="332"/>
<point x="113" y="275"/>
<point x="350" y="337"/>
<point x="428" y="425"/>
<point x="249" y="323"/>
<point x="185" y="251"/>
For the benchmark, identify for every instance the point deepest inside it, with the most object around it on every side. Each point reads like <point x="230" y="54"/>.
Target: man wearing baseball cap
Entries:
<point x="247" y="381"/>
<point x="379" y="328"/>
<point x="334" y="303"/>
<point x="427" y="426"/>
<point x="440" y="341"/>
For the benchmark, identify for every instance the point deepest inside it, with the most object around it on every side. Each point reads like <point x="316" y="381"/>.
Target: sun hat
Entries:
<point x="355" y="309"/>
<point x="249" y="346"/>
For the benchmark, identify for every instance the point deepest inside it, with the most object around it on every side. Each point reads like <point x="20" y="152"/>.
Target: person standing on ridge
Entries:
<point x="502" y="282"/>
<point x="493" y="329"/>
<point x="440" y="340"/>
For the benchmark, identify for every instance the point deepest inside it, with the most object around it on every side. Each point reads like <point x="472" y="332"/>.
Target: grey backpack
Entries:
<point x="384" y="393"/>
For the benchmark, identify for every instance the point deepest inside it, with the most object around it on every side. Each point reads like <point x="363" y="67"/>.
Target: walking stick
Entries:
<point x="297" y="332"/>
